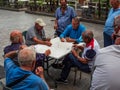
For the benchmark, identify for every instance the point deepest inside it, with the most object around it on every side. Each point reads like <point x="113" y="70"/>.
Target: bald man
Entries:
<point x="11" y="50"/>
<point x="84" y="62"/>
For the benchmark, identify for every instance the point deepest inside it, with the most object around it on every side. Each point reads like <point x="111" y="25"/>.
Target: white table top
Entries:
<point x="58" y="49"/>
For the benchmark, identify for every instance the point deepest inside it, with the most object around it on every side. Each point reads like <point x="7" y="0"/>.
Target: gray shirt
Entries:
<point x="31" y="33"/>
<point x="106" y="75"/>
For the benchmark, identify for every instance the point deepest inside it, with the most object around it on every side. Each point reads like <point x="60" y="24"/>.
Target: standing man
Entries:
<point x="73" y="32"/>
<point x="36" y="34"/>
<point x="64" y="15"/>
<point x="109" y="28"/>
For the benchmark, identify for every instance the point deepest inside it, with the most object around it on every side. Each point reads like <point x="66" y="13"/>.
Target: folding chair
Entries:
<point x="76" y="69"/>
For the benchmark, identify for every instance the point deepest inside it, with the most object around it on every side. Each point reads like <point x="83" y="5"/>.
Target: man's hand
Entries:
<point x="39" y="72"/>
<point x="22" y="47"/>
<point x="48" y="43"/>
<point x="47" y="52"/>
<point x="63" y="40"/>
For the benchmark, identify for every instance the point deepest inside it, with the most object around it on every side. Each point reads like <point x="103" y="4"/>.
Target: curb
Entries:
<point x="12" y="9"/>
<point x="39" y="13"/>
<point x="52" y="15"/>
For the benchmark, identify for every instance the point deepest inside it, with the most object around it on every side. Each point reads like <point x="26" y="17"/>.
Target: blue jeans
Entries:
<point x="71" y="61"/>
<point x="107" y="40"/>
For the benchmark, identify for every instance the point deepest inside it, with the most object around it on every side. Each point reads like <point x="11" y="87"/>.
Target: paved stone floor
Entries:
<point x="10" y="20"/>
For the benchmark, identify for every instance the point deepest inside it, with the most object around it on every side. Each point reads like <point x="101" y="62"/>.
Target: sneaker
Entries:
<point x="62" y="81"/>
<point x="57" y="66"/>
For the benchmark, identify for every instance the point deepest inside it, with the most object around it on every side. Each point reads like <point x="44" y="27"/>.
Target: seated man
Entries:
<point x="11" y="51"/>
<point x="22" y="77"/>
<point x="73" y="32"/>
<point x="85" y="62"/>
<point x="36" y="34"/>
<point x="16" y="41"/>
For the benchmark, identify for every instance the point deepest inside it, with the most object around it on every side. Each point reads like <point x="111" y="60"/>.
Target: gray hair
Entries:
<point x="26" y="56"/>
<point x="88" y="34"/>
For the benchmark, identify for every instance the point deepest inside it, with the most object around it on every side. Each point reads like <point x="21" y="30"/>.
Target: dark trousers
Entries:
<point x="107" y="40"/>
<point x="71" y="61"/>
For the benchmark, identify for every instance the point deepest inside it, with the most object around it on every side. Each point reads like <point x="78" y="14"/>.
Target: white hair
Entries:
<point x="26" y="56"/>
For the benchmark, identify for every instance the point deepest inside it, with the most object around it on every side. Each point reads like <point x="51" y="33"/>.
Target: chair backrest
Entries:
<point x="24" y="34"/>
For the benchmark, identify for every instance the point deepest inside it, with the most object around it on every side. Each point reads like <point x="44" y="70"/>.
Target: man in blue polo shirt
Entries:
<point x="64" y="15"/>
<point x="73" y="31"/>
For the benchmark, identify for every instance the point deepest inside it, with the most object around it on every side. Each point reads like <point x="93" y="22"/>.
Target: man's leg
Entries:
<point x="66" y="70"/>
<point x="80" y="65"/>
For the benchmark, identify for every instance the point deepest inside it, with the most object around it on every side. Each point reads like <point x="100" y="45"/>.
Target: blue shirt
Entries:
<point x="108" y="28"/>
<point x="32" y="82"/>
<point x="72" y="33"/>
<point x="12" y="47"/>
<point x="64" y="19"/>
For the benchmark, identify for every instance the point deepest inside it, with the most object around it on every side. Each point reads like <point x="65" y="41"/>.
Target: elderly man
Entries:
<point x="85" y="62"/>
<point x="107" y="64"/>
<point x="16" y="41"/>
<point x="36" y="34"/>
<point x="73" y="32"/>
<point x="64" y="15"/>
<point x="109" y="25"/>
<point x="22" y="77"/>
<point x="11" y="50"/>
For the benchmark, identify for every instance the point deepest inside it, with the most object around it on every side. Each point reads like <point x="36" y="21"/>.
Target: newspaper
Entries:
<point x="58" y="49"/>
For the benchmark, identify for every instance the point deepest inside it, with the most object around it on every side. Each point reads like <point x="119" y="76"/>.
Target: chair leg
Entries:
<point x="75" y="76"/>
<point x="80" y="75"/>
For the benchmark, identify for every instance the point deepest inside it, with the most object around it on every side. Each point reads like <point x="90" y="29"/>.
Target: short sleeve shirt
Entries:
<point x="31" y="33"/>
<point x="64" y="19"/>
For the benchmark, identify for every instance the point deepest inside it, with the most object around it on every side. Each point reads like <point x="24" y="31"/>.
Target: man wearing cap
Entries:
<point x="36" y="34"/>
<point x="84" y="62"/>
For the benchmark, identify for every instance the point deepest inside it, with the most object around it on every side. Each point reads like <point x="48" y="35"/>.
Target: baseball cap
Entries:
<point x="40" y="22"/>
